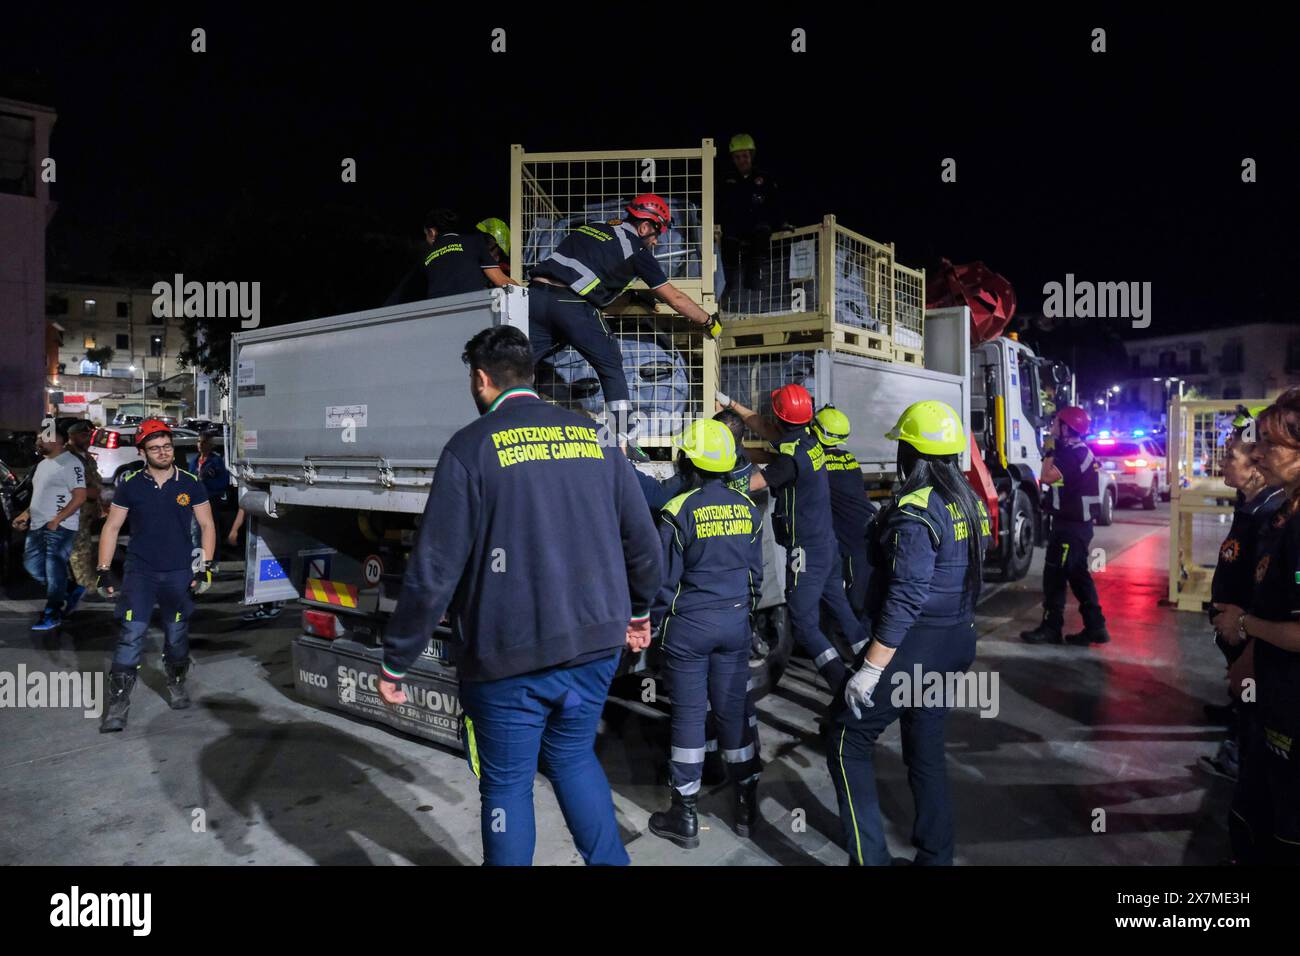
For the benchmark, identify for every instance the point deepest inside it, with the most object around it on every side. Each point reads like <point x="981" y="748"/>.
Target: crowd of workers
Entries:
<point x="602" y="558"/>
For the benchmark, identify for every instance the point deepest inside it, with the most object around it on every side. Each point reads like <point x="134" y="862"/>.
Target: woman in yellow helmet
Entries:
<point x="927" y="549"/>
<point x="713" y="559"/>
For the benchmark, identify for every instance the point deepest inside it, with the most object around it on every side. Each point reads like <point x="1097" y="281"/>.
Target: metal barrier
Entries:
<point x="829" y="287"/>
<point x="671" y="369"/>
<point x="1200" y="504"/>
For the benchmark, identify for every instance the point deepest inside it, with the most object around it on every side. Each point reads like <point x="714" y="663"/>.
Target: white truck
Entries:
<point x="337" y="425"/>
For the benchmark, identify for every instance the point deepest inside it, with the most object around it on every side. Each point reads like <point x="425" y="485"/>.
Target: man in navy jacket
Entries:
<point x="537" y="543"/>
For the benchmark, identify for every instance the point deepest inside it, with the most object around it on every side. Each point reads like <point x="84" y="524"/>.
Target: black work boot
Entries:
<point x="1043" y="634"/>
<point x="1089" y="635"/>
<point x="119" y="701"/>
<point x="678" y="823"/>
<point x="746" y="805"/>
<point x="178" y="698"/>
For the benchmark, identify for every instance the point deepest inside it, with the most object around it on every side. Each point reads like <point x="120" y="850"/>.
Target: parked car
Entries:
<point x="1138" y="466"/>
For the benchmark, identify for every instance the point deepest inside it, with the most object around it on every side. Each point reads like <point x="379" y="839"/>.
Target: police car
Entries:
<point x="1137" y="464"/>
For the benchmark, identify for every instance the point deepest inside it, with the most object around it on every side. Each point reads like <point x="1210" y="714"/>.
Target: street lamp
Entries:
<point x="132" y="369"/>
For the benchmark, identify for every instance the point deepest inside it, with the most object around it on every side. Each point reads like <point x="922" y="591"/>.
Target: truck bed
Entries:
<point x="352" y="411"/>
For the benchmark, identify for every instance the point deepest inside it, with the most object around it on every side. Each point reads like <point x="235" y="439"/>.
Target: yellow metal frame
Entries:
<point x="1204" y="495"/>
<point x="700" y="289"/>
<point x="750" y="334"/>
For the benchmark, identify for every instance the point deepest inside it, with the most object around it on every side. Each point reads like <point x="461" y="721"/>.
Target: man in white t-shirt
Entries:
<point x="52" y="520"/>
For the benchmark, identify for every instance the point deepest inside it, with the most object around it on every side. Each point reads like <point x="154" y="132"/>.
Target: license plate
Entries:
<point x="1108" y="465"/>
<point x="437" y="650"/>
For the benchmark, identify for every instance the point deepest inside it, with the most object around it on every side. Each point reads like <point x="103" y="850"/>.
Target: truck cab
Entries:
<point x="1014" y="394"/>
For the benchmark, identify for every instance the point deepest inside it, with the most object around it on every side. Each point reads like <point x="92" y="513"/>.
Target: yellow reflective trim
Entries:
<point x="585" y="289"/>
<point x="675" y="505"/>
<point x="128" y="615"/>
<point x="471" y="746"/>
<point x="848" y="792"/>
<point x="919" y="497"/>
<point x="178" y="615"/>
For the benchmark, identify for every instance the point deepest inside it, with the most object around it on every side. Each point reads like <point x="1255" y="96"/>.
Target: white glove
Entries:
<point x="723" y="399"/>
<point x="857" y="692"/>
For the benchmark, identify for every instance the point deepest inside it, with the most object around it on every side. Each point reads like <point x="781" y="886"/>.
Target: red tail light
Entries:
<point x="322" y="624"/>
<point x="1135" y="462"/>
<point x="112" y="440"/>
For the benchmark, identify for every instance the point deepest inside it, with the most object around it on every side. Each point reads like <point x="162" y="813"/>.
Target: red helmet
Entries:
<point x="651" y="207"/>
<point x="793" y="404"/>
<point x="1077" y="418"/>
<point x="150" y="427"/>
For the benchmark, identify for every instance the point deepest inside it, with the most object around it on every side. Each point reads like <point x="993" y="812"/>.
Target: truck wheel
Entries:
<point x="1149" y="502"/>
<point x="773" y="642"/>
<point x="1020" y="542"/>
<point x="1107" y="511"/>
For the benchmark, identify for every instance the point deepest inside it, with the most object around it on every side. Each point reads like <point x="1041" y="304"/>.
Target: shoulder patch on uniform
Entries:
<point x="675" y="505"/>
<point x="920" y="498"/>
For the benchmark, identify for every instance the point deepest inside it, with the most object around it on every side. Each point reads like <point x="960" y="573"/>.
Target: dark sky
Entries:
<point x="1119" y="166"/>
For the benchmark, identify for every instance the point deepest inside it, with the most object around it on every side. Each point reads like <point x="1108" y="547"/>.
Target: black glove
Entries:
<point x="107" y="583"/>
<point x="202" y="578"/>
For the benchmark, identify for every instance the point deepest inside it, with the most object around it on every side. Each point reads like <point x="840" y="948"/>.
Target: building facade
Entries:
<point x="26" y="169"/>
<point x="1254" y="361"/>
<point x="107" y="343"/>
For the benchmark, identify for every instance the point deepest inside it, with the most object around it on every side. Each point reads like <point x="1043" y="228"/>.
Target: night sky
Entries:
<point x="1117" y="166"/>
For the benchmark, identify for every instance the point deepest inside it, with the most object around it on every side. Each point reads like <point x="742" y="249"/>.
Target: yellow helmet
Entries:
<point x="831" y="426"/>
<point x="498" y="230"/>
<point x="932" y="428"/>
<point x="741" y="141"/>
<point x="1246" y="415"/>
<point x="709" y="444"/>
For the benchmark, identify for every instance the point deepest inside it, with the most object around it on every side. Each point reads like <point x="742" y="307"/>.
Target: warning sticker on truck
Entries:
<point x="341" y="416"/>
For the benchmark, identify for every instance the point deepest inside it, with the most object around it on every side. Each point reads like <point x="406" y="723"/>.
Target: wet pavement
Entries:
<point x="1090" y="759"/>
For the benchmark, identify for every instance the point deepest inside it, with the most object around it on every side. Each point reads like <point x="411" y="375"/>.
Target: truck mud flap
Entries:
<point x="343" y="675"/>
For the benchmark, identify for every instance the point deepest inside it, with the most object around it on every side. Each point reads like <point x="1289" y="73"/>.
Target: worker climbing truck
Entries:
<point x="337" y="426"/>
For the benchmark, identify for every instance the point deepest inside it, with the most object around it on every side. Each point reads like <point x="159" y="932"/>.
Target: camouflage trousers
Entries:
<point x="83" y="559"/>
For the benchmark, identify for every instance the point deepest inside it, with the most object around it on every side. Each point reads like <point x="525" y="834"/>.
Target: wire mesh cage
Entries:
<point x="670" y="367"/>
<point x="751" y="379"/>
<point x="909" y="314"/>
<point x="554" y="193"/>
<point x="669" y="372"/>
<point x="1201" y="505"/>
<point x="830" y="285"/>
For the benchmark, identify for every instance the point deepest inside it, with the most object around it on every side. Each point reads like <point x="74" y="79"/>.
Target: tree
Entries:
<point x="100" y="356"/>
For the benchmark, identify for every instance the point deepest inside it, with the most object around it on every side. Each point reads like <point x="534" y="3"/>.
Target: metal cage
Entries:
<point x="1201" y="505"/>
<point x="671" y="368"/>
<point x="827" y="286"/>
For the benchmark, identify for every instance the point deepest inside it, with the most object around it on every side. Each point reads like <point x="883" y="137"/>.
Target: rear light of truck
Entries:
<point x="322" y="624"/>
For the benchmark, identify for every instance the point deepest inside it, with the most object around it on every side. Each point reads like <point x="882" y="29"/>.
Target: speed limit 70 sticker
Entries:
<point x="373" y="569"/>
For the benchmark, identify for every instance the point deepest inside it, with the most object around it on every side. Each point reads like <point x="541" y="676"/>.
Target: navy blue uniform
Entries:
<point x="214" y="475"/>
<point x="159" y="563"/>
<point x="1269" y="801"/>
<point x="805" y="528"/>
<point x="851" y="512"/>
<point x="595" y="263"/>
<point x="452" y="265"/>
<point x="537" y="543"/>
<point x="921" y="604"/>
<point x="1066" y="561"/>
<point x="748" y="211"/>
<point x="713" y="556"/>
<point x="1234" y="583"/>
